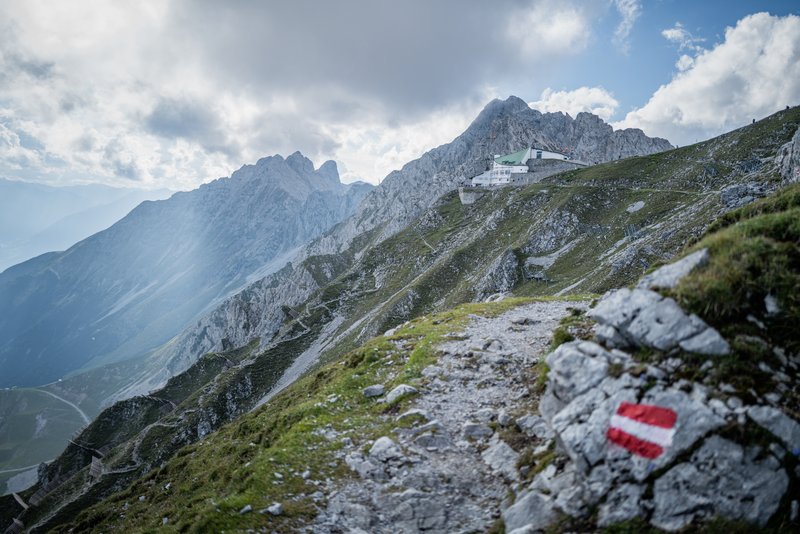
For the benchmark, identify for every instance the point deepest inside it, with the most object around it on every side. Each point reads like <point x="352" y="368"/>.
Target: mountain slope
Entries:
<point x="75" y="227"/>
<point x="132" y="287"/>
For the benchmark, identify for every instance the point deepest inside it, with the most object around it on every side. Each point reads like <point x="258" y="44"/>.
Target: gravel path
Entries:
<point x="449" y="473"/>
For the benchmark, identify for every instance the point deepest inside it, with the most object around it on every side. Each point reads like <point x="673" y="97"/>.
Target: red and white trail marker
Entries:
<point x="643" y="429"/>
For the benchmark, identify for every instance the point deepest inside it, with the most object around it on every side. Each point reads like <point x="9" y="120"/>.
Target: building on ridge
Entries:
<point x="504" y="166"/>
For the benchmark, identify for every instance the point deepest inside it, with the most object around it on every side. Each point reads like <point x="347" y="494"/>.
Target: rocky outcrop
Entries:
<point x="787" y="160"/>
<point x="500" y="276"/>
<point x="738" y="195"/>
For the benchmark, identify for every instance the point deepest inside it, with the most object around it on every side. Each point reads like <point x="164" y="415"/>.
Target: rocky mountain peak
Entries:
<point x="329" y="171"/>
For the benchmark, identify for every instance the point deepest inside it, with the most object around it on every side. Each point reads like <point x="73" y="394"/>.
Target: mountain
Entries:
<point x="74" y="227"/>
<point x="132" y="287"/>
<point x="289" y="408"/>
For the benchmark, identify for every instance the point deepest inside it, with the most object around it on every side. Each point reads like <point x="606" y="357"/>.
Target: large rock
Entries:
<point x="738" y="195"/>
<point x="721" y="479"/>
<point x="664" y="325"/>
<point x="618" y="308"/>
<point x="622" y="504"/>
<point x="573" y="372"/>
<point x="787" y="160"/>
<point x="777" y="422"/>
<point x="668" y="276"/>
<point x="502" y="458"/>
<point x="384" y="449"/>
<point x="400" y="390"/>
<point x="533" y="508"/>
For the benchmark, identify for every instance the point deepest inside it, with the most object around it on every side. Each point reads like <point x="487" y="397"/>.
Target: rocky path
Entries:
<point x="449" y="472"/>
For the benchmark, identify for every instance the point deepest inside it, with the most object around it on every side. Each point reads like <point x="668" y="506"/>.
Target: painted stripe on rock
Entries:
<point x="643" y="429"/>
<point x="656" y="434"/>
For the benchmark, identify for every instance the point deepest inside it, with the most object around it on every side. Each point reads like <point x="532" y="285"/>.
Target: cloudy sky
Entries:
<point x="174" y="93"/>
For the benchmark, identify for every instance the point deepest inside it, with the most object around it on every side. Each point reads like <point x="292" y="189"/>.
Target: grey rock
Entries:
<point x="772" y="306"/>
<point x="500" y="457"/>
<point x="550" y="405"/>
<point x="534" y="426"/>
<point x="367" y="468"/>
<point x="598" y="483"/>
<point x="662" y="326"/>
<point x="246" y="509"/>
<point x="531" y="509"/>
<point x="795" y="509"/>
<point x="431" y="439"/>
<point x="475" y="431"/>
<point x="706" y="342"/>
<point x="718" y="480"/>
<point x="622" y="505"/>
<point x="276" y="509"/>
<point x="572" y="372"/>
<point x="787" y="160"/>
<point x="503" y="418"/>
<point x="412" y="412"/>
<point x="738" y="195"/>
<point x="610" y="337"/>
<point x="384" y="449"/>
<point x="373" y="391"/>
<point x="618" y="308"/>
<point x="571" y="501"/>
<point x="527" y="529"/>
<point x="400" y="390"/>
<point x="432" y="371"/>
<point x="668" y="276"/>
<point x="485" y="415"/>
<point x="777" y="422"/>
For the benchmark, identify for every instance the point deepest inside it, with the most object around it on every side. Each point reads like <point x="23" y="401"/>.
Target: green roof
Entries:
<point x="512" y="159"/>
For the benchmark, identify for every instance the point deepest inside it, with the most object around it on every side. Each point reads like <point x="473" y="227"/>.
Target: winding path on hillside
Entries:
<point x="85" y="417"/>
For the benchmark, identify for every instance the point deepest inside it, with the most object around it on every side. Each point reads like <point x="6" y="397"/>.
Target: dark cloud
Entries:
<point x="114" y="160"/>
<point x="193" y="121"/>
<point x="409" y="55"/>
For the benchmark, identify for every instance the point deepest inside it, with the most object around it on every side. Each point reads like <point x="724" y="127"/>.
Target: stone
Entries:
<point x="662" y="326"/>
<point x="707" y="342"/>
<point x="384" y="449"/>
<point x="622" y="504"/>
<point x="527" y="529"/>
<point x="533" y="425"/>
<point x="772" y="306"/>
<point x="777" y="422"/>
<point x="367" y="468"/>
<point x="550" y="405"/>
<point x="276" y="509"/>
<point x="412" y="412"/>
<point x="795" y="509"/>
<point x="668" y="276"/>
<point x="718" y="481"/>
<point x="400" y="390"/>
<point x="485" y="415"/>
<point x="738" y="195"/>
<point x="501" y="457"/>
<point x="246" y="509"/>
<point x="433" y="440"/>
<point x="475" y="431"/>
<point x="618" y="308"/>
<point x="531" y="509"/>
<point x="572" y="372"/>
<point x="503" y="418"/>
<point x="432" y="371"/>
<point x="373" y="391"/>
<point x="610" y="337"/>
<point x="571" y="501"/>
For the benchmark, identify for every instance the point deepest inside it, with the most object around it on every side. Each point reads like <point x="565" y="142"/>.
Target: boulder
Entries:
<point x="719" y="480"/>
<point x="618" y="308"/>
<point x="780" y="424"/>
<point x="622" y="504"/>
<point x="500" y="457"/>
<point x="707" y="342"/>
<point x="384" y="449"/>
<point x="668" y="276"/>
<point x="663" y="325"/>
<point x="402" y="389"/>
<point x="373" y="391"/>
<point x="532" y="508"/>
<point x="572" y="372"/>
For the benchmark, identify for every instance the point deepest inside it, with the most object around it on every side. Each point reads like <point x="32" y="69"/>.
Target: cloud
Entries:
<point x="549" y="28"/>
<point x="590" y="99"/>
<point x="753" y="73"/>
<point x="630" y="11"/>
<point x="178" y="92"/>
<point x="683" y="38"/>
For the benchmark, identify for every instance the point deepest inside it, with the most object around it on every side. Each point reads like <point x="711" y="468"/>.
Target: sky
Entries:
<point x="175" y="93"/>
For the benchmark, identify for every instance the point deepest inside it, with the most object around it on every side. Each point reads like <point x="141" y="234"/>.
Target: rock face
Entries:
<point x="787" y="161"/>
<point x="406" y="193"/>
<point x="155" y="271"/>
<point x="738" y="195"/>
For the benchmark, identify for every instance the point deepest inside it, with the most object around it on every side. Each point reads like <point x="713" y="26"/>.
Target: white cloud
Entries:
<point x="630" y="11"/>
<point x="590" y="99"/>
<point x="550" y="28"/>
<point x="683" y="38"/>
<point x="753" y="73"/>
